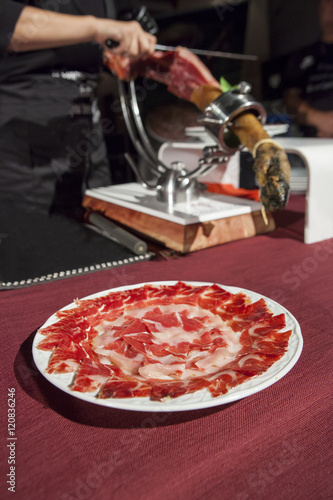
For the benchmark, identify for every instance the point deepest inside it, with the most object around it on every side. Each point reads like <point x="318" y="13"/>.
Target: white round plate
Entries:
<point x="197" y="400"/>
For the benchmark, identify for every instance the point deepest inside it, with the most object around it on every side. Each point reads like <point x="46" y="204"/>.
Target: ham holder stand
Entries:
<point x="173" y="208"/>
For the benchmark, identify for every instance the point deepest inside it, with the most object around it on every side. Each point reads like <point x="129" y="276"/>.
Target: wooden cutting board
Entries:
<point x="187" y="237"/>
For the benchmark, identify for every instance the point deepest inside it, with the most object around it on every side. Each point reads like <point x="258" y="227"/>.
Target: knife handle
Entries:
<point x="143" y="17"/>
<point x="111" y="44"/>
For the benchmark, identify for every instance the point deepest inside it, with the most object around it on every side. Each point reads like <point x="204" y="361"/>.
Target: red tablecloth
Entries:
<point x="272" y="445"/>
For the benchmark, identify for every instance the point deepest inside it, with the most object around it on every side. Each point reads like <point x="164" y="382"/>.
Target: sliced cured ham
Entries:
<point x="181" y="71"/>
<point x="91" y="375"/>
<point x="161" y="341"/>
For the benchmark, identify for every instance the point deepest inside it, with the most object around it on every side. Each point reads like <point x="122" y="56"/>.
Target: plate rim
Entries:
<point x="180" y="403"/>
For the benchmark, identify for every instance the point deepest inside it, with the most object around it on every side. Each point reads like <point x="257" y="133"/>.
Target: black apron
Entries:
<point x="51" y="144"/>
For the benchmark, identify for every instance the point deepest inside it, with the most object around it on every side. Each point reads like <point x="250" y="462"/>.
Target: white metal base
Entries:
<point x="317" y="155"/>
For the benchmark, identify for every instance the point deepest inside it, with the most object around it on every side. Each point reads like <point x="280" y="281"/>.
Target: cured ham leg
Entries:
<point x="188" y="78"/>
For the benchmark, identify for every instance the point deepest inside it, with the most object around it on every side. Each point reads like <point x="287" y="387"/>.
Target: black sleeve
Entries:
<point x="301" y="64"/>
<point x="294" y="76"/>
<point x="9" y="14"/>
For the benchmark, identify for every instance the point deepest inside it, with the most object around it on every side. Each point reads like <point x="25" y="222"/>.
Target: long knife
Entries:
<point x="111" y="44"/>
<point x="116" y="233"/>
<point x="148" y="23"/>
<point x="210" y="53"/>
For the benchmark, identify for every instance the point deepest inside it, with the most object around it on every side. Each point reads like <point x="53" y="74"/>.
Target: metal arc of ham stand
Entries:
<point x="174" y="183"/>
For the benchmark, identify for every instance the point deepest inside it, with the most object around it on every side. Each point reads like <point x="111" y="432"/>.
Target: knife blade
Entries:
<point x="209" y="53"/>
<point x="111" y="44"/>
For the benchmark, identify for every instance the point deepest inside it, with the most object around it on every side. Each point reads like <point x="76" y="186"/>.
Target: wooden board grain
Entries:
<point x="184" y="238"/>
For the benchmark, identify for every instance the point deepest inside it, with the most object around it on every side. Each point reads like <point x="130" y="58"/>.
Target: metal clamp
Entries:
<point x="174" y="184"/>
<point x="221" y="112"/>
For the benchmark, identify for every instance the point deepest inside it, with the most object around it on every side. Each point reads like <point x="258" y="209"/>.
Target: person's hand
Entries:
<point x="61" y="30"/>
<point x="133" y="41"/>
<point x="321" y="120"/>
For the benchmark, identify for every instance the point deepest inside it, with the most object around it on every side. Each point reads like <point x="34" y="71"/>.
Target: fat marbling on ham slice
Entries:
<point x="163" y="341"/>
<point x="181" y="71"/>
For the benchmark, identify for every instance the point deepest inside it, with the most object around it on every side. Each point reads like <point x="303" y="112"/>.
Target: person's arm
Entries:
<point x="38" y="29"/>
<point x="292" y="98"/>
<point x="306" y="115"/>
<point x="321" y="120"/>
